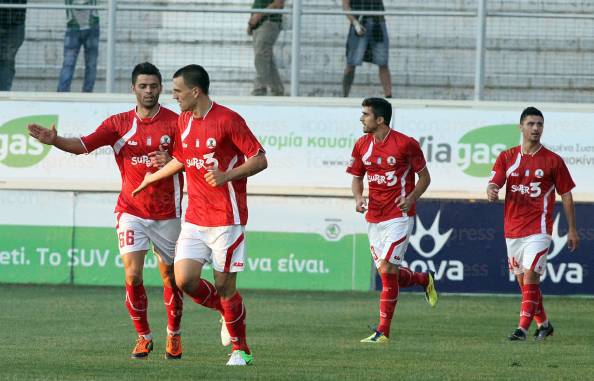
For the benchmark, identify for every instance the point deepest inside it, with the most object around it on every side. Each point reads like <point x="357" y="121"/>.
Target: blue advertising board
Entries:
<point x="463" y="242"/>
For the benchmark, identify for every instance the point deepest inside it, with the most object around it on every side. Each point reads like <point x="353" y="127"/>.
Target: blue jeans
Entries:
<point x="11" y="39"/>
<point x="73" y="40"/>
<point x="357" y="45"/>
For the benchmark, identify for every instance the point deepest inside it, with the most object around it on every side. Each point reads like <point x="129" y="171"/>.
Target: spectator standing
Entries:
<point x="82" y="29"/>
<point x="12" y="35"/>
<point x="265" y="29"/>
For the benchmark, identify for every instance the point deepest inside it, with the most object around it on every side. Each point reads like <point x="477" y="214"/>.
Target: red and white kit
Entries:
<point x="390" y="166"/>
<point x="219" y="140"/>
<point x="530" y="182"/>
<point x="155" y="213"/>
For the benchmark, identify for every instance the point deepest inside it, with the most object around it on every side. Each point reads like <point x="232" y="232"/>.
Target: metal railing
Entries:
<point x="297" y="12"/>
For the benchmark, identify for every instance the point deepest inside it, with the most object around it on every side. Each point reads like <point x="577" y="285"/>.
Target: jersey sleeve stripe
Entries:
<point x="117" y="147"/>
<point x="543" y="217"/>
<point x="420" y="170"/>
<point x="84" y="146"/>
<point x="368" y="153"/>
<point x="177" y="194"/>
<point x="514" y="166"/>
<point x="403" y="185"/>
<point x="232" y="197"/>
<point x="187" y="130"/>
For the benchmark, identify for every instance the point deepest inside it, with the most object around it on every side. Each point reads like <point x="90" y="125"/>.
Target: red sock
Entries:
<point x="234" y="313"/>
<point x="540" y="316"/>
<point x="407" y="278"/>
<point x="388" y="300"/>
<point x="206" y="294"/>
<point x="137" y="305"/>
<point x="530" y="294"/>
<point x="174" y="305"/>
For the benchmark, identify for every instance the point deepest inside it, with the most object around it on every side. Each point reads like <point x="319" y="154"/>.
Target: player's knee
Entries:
<point x="224" y="289"/>
<point x="134" y="279"/>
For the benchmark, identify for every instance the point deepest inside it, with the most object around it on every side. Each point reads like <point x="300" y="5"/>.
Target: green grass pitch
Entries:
<point x="84" y="333"/>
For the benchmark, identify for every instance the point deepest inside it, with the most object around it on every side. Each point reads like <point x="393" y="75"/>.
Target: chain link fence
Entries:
<point x="534" y="50"/>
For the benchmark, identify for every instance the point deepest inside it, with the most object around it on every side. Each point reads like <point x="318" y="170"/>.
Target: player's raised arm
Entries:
<point x="357" y="189"/>
<point x="50" y="136"/>
<point x="251" y="166"/>
<point x="572" y="237"/>
<point x="169" y="169"/>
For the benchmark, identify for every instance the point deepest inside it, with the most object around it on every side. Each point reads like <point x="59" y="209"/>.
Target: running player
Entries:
<point x="142" y="141"/>
<point x="531" y="173"/>
<point x="390" y="159"/>
<point x="218" y="152"/>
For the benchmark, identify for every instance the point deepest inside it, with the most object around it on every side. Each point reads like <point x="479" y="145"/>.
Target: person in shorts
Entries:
<point x="142" y="141"/>
<point x="389" y="160"/>
<point x="531" y="174"/>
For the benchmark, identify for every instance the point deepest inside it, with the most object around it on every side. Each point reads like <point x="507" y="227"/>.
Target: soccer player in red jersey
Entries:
<point x="531" y="173"/>
<point x="218" y="152"/>
<point x="390" y="160"/>
<point x="142" y="142"/>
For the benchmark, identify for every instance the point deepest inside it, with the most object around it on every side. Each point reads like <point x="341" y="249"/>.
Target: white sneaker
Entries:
<point x="240" y="358"/>
<point x="225" y="336"/>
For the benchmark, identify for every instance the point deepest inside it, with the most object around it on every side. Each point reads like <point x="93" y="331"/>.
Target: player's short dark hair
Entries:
<point x="380" y="107"/>
<point x="194" y="76"/>
<point x="146" y="68"/>
<point x="528" y="111"/>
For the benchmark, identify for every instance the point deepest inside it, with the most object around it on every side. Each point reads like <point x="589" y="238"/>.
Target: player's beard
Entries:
<point x="151" y="102"/>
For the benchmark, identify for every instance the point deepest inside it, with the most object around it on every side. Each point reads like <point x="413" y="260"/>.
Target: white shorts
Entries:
<point x="528" y="253"/>
<point x="135" y="234"/>
<point x="388" y="240"/>
<point x="222" y="246"/>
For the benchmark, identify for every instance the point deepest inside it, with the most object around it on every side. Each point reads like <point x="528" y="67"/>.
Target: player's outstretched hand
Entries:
<point x="361" y="205"/>
<point x="214" y="177"/>
<point x="573" y="240"/>
<point x="159" y="158"/>
<point x="143" y="185"/>
<point x="492" y="193"/>
<point x="44" y="135"/>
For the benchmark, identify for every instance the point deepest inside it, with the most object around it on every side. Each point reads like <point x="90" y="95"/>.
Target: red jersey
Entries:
<point x="132" y="139"/>
<point x="220" y="139"/>
<point x="390" y="166"/>
<point x="531" y="180"/>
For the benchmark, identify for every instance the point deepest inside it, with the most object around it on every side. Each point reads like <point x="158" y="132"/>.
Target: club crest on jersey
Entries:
<point x="165" y="140"/>
<point x="211" y="143"/>
<point x="149" y="141"/>
<point x="391" y="160"/>
<point x="539" y="173"/>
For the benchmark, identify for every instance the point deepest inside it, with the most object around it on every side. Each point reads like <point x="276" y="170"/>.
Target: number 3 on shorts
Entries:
<point x="126" y="238"/>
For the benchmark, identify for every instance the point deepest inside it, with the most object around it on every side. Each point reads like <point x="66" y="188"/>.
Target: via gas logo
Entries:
<point x="17" y="148"/>
<point x="559" y="270"/>
<point x="450" y="269"/>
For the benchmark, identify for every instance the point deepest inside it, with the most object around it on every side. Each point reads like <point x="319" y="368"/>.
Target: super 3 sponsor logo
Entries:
<point x="389" y="178"/>
<point x="208" y="161"/>
<point x="533" y="189"/>
<point x="140" y="160"/>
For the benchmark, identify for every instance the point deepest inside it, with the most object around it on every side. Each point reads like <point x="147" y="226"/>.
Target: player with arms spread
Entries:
<point x="218" y="152"/>
<point x="142" y="142"/>
<point x="531" y="174"/>
<point x="390" y="160"/>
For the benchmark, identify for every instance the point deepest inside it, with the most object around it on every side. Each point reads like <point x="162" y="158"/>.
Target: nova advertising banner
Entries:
<point x="292" y="243"/>
<point x="463" y="243"/>
<point x="308" y="146"/>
